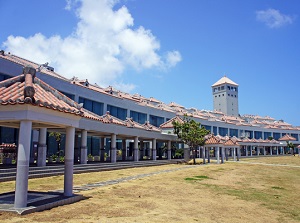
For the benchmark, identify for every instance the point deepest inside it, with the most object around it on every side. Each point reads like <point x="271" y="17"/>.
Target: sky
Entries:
<point x="172" y="50"/>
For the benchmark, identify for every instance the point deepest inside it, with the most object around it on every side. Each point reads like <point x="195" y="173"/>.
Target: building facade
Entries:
<point x="224" y="120"/>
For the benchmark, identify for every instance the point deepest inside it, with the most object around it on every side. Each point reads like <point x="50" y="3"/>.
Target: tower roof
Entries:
<point x="224" y="80"/>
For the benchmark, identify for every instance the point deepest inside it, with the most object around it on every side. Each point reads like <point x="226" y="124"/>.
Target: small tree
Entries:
<point x="191" y="134"/>
<point x="291" y="147"/>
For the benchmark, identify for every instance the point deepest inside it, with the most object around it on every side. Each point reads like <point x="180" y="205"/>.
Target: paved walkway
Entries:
<point x="86" y="187"/>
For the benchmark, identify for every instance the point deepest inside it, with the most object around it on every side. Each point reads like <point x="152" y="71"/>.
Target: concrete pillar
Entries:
<point x="277" y="150"/>
<point x="124" y="149"/>
<point x="186" y="152"/>
<point x="257" y="151"/>
<point x="226" y="154"/>
<point x="246" y="150"/>
<point x="271" y="150"/>
<point x="21" y="190"/>
<point x="113" y="148"/>
<point x="218" y="154"/>
<point x="238" y="150"/>
<point x="264" y="149"/>
<point x="203" y="154"/>
<point x="136" y="149"/>
<point x="251" y="148"/>
<point x="222" y="154"/>
<point x="141" y="155"/>
<point x="102" y="149"/>
<point x="208" y="154"/>
<point x="42" y="147"/>
<point x="69" y="159"/>
<point x="169" y="148"/>
<point x="83" y="147"/>
<point x="234" y="155"/>
<point x="153" y="149"/>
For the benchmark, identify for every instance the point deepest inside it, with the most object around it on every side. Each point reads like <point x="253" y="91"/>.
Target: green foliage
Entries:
<point x="290" y="145"/>
<point x="190" y="133"/>
<point x="56" y="135"/>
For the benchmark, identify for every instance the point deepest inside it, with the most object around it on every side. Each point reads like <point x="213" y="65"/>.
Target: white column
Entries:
<point x="136" y="149"/>
<point x="218" y="154"/>
<point x="42" y="147"/>
<point x="257" y="150"/>
<point x="186" y="152"/>
<point x="153" y="149"/>
<point x="251" y="148"/>
<point x="271" y="150"/>
<point x="69" y="159"/>
<point x="264" y="148"/>
<point x="113" y="148"/>
<point x="169" y="150"/>
<point x="83" y="147"/>
<point x="222" y="154"/>
<point x="238" y="149"/>
<point x="277" y="150"/>
<point x="234" y="155"/>
<point x="21" y="190"/>
<point x="246" y="150"/>
<point x="203" y="154"/>
<point x="226" y="154"/>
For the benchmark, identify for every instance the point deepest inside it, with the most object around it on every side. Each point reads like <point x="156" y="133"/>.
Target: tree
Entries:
<point x="291" y="147"/>
<point x="190" y="133"/>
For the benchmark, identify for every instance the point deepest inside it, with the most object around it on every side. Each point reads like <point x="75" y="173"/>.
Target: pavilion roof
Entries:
<point x="168" y="124"/>
<point x="28" y="89"/>
<point x="287" y="137"/>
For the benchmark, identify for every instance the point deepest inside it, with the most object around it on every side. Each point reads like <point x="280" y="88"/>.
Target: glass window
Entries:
<point x="120" y="113"/>
<point x="276" y="135"/>
<point x="92" y="106"/>
<point x="223" y="131"/>
<point x="156" y="120"/>
<point x="257" y="135"/>
<point x="215" y="130"/>
<point x="233" y="132"/>
<point x="267" y="135"/>
<point x="207" y="127"/>
<point x="4" y="77"/>
<point x="295" y="136"/>
<point x="138" y="117"/>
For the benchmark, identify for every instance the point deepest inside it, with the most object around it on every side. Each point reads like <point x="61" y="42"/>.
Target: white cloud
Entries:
<point x="273" y="18"/>
<point x="173" y="58"/>
<point x="102" y="46"/>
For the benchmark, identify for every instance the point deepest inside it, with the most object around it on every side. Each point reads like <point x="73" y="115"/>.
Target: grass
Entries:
<point x="232" y="192"/>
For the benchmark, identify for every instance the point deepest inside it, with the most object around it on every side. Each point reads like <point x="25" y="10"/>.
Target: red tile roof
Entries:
<point x="109" y="119"/>
<point x="168" y="124"/>
<point x="287" y="137"/>
<point x="150" y="127"/>
<point x="28" y="89"/>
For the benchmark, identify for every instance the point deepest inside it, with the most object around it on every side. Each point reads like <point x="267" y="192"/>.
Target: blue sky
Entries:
<point x="172" y="50"/>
